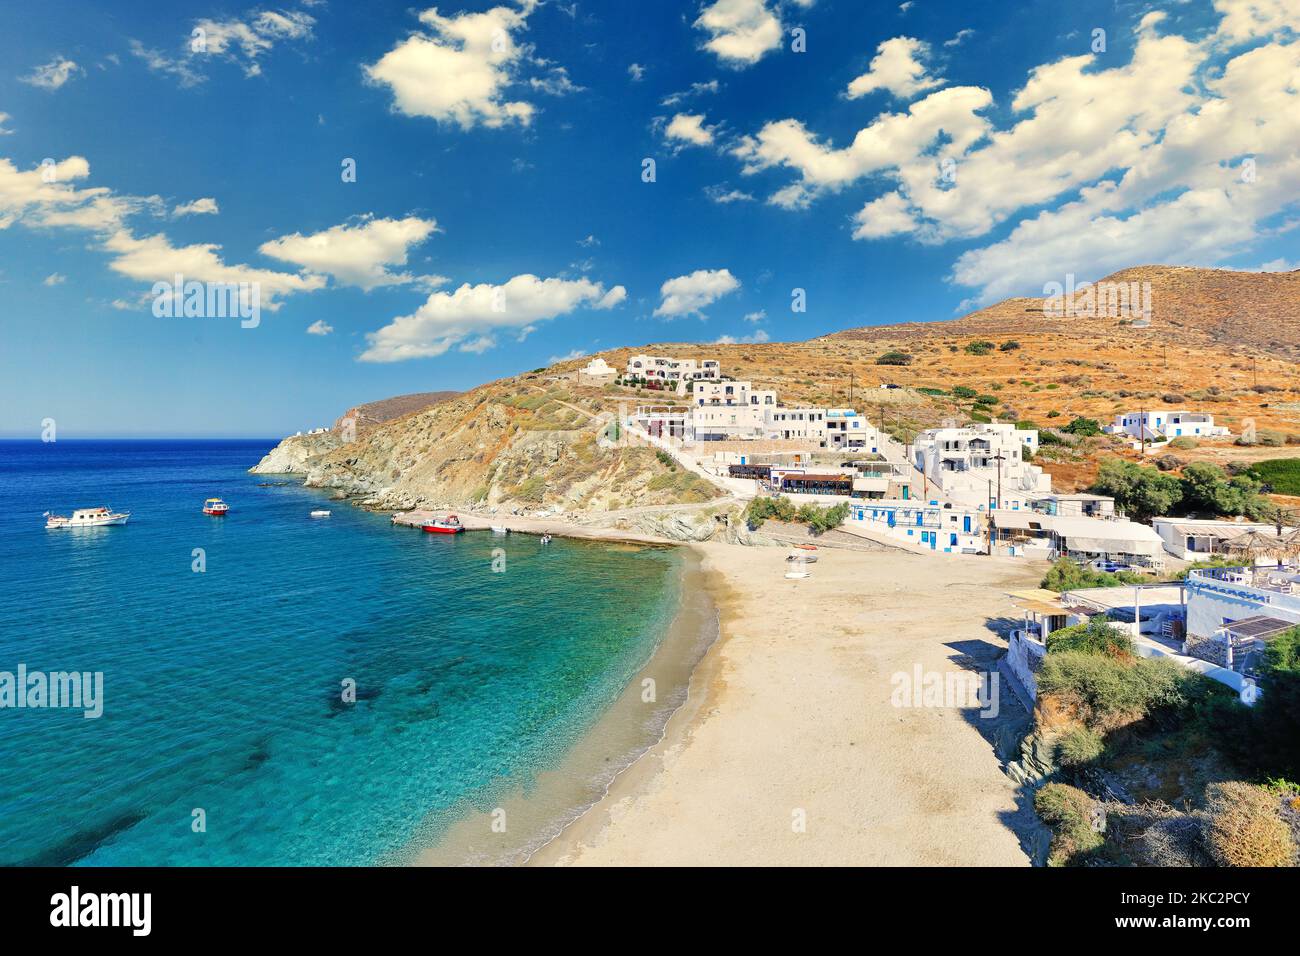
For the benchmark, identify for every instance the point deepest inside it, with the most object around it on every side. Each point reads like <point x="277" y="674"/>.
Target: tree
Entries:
<point x="1010" y="345"/>
<point x="1277" y="715"/>
<point x="1144" y="493"/>
<point x="979" y="347"/>
<point x="1208" y="490"/>
<point x="894" y="358"/>
<point x="1083" y="427"/>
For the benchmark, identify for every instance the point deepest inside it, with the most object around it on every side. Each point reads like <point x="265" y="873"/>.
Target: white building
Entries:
<point x="1048" y="537"/>
<point x="943" y="527"/>
<point x="1081" y="505"/>
<point x="659" y="368"/>
<point x="1195" y="539"/>
<point x="1161" y="426"/>
<point x="1233" y="612"/>
<point x="846" y="430"/>
<point x="969" y="464"/>
<point x="597" y="372"/>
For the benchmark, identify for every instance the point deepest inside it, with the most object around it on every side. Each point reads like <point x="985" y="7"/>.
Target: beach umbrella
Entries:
<point x="1256" y="544"/>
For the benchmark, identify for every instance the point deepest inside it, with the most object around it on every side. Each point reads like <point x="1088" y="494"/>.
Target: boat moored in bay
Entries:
<point x="86" y="518"/>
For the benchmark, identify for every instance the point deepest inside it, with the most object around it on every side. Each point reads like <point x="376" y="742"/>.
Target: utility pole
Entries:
<point x="850" y="389"/>
<point x="1142" y="430"/>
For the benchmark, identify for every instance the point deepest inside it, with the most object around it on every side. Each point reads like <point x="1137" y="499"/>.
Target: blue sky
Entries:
<point x="914" y="161"/>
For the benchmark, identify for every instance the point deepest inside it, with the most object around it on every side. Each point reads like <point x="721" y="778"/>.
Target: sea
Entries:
<point x="294" y="691"/>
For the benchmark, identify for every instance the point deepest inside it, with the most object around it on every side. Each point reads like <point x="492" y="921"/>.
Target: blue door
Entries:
<point x="965" y="525"/>
<point x="920" y="517"/>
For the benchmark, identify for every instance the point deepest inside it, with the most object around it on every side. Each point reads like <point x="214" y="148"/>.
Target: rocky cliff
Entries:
<point x="508" y="445"/>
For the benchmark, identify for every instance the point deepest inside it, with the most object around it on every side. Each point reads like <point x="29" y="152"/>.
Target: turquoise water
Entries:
<point x="222" y="689"/>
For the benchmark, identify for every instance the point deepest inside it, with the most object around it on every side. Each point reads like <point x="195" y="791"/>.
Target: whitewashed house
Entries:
<point x="671" y="371"/>
<point x="597" y="372"/>
<point x="1162" y="426"/>
<point x="941" y="526"/>
<point x="1196" y="539"/>
<point x="974" y="463"/>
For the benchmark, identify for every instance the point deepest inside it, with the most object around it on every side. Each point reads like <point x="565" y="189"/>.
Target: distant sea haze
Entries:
<point x="226" y="735"/>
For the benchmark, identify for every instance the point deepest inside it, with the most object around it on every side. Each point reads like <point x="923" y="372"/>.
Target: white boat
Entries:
<point x="320" y="513"/>
<point x="500" y="529"/>
<point x="546" y="539"/>
<point x="86" y="518"/>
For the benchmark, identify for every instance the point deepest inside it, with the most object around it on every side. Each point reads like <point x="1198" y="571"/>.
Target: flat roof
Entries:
<point x="1259" y="626"/>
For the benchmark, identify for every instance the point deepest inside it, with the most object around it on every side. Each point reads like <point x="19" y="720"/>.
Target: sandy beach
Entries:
<point x="789" y="750"/>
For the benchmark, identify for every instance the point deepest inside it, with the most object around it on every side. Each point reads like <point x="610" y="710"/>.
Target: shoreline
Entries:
<point x="537" y="810"/>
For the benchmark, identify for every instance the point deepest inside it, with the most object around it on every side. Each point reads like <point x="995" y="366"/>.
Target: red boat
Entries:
<point x="215" y="507"/>
<point x="448" y="525"/>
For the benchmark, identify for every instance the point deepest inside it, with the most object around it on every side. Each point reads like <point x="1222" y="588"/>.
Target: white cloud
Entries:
<point x="589" y="242"/>
<point x="479" y="345"/>
<point x="959" y="37"/>
<point x="636" y="71"/>
<point x="320" y="327"/>
<point x="52" y="75"/>
<point x="688" y="294"/>
<point x="723" y="194"/>
<point x="567" y="357"/>
<point x="1121" y="159"/>
<point x="26" y="197"/>
<point x="240" y="41"/>
<point x="358" y="253"/>
<point x="896" y="67"/>
<point x="54" y="278"/>
<point x="449" y="319"/>
<point x="4" y="118"/>
<point x="206" y="206"/>
<point x="758" y="316"/>
<point x="886" y="216"/>
<point x="459" y="71"/>
<point x="893" y="140"/>
<point x="755" y="339"/>
<point x="153" y="258"/>
<point x="740" y="31"/>
<point x="696" y="89"/>
<point x="689" y="128"/>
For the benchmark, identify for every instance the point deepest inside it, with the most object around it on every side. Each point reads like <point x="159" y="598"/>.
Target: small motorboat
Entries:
<point x="215" y="507"/>
<point x="546" y="539"/>
<point x="500" y="529"/>
<point x="448" y="525"/>
<point x="320" y="513"/>
<point x="86" y="518"/>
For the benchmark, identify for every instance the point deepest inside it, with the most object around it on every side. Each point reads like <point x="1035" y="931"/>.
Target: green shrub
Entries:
<point x="979" y="347"/>
<point x="1083" y="427"/>
<point x="1074" y="818"/>
<point x="1280" y="474"/>
<point x="963" y="392"/>
<point x="1108" y="692"/>
<point x="894" y="358"/>
<point x="1183" y="443"/>
<point x="987" y="399"/>
<point x="1068" y="575"/>
<point x="1078" y="746"/>
<point x="1097" y="636"/>
<point x="1010" y="345"/>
